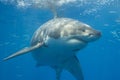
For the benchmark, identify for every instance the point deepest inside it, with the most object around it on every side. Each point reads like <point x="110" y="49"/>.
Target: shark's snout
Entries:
<point x="98" y="33"/>
<point x="92" y="36"/>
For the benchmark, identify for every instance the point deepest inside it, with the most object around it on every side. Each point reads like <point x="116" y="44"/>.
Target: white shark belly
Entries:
<point x="49" y="56"/>
<point x="56" y="51"/>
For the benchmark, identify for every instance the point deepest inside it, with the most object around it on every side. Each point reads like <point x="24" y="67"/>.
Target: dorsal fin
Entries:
<point x="53" y="8"/>
<point x="55" y="13"/>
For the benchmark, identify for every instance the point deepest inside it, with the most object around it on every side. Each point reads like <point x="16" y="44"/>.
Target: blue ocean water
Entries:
<point x="100" y="60"/>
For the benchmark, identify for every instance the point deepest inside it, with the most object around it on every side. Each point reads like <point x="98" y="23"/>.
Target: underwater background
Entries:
<point x="100" y="60"/>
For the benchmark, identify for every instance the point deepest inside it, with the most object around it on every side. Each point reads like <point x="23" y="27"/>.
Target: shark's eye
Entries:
<point x="83" y="30"/>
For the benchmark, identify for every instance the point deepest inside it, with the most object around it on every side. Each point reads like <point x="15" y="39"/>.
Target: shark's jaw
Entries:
<point x="78" y="38"/>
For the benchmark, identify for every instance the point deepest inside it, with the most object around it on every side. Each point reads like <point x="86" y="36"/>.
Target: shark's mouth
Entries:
<point x="83" y="40"/>
<point x="79" y="38"/>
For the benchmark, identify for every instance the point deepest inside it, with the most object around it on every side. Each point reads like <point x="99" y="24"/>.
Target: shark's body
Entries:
<point x="56" y="43"/>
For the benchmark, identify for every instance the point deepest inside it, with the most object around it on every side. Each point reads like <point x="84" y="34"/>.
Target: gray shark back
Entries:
<point x="58" y="28"/>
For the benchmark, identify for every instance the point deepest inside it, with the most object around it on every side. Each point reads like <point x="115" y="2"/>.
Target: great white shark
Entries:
<point x="56" y="42"/>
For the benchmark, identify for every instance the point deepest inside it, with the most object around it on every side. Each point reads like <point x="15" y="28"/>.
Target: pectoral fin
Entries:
<point x="23" y="51"/>
<point x="73" y="66"/>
